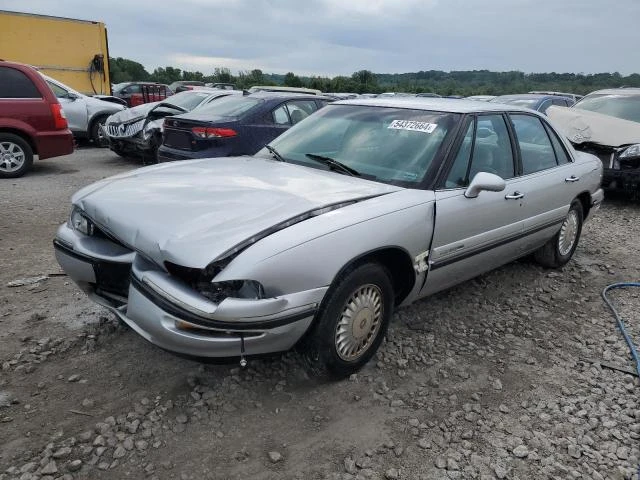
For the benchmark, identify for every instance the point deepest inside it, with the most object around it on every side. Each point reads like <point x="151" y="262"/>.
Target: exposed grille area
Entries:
<point x="124" y="129"/>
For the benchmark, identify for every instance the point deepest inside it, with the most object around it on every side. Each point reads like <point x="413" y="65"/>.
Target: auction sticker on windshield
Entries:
<point x="413" y="126"/>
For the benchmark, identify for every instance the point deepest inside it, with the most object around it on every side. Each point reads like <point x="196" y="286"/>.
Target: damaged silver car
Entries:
<point x="364" y="206"/>
<point x="606" y="123"/>
<point x="137" y="131"/>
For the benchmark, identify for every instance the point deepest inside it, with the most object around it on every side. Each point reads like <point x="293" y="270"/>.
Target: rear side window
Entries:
<point x="561" y="153"/>
<point x="535" y="147"/>
<point x="15" y="84"/>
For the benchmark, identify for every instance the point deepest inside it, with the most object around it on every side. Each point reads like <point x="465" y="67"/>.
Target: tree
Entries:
<point x="125" y="70"/>
<point x="292" y="80"/>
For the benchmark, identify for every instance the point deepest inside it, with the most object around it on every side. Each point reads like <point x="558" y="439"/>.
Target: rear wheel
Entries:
<point x="16" y="156"/>
<point x="351" y="322"/>
<point x="559" y="250"/>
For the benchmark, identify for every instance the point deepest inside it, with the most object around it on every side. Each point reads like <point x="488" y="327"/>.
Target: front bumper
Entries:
<point x="167" y="313"/>
<point x="627" y="180"/>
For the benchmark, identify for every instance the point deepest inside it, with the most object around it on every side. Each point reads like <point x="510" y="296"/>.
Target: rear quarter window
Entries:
<point x="16" y="84"/>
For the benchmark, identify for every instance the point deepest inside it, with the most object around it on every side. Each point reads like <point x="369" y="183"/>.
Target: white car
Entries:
<point x="84" y="114"/>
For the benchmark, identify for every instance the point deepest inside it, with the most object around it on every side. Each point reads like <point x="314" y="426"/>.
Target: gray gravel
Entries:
<point x="506" y="376"/>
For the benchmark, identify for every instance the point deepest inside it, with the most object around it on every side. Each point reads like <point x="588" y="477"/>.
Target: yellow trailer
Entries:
<point x="74" y="52"/>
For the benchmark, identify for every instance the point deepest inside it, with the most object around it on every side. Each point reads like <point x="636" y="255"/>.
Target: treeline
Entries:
<point x="474" y="82"/>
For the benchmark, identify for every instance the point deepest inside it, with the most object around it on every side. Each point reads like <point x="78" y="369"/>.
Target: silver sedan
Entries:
<point x="363" y="207"/>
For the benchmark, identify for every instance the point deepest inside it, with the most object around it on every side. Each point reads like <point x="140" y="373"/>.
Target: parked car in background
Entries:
<point x="85" y="114"/>
<point x="536" y="102"/>
<point x="572" y="96"/>
<point x="138" y="131"/>
<point x="273" y="88"/>
<point x="341" y="96"/>
<point x="137" y="93"/>
<point x="428" y="95"/>
<point x="223" y="86"/>
<point x="182" y="85"/>
<point x="481" y="98"/>
<point x="234" y="125"/>
<point x="317" y="239"/>
<point x="32" y="121"/>
<point x="606" y="123"/>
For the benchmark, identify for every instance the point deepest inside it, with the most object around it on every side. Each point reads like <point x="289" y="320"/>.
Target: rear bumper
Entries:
<point x="170" y="315"/>
<point x="54" y="144"/>
<point x="167" y="154"/>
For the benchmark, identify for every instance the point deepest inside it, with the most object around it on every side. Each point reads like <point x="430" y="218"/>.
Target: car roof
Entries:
<point x="528" y="96"/>
<point x="434" y="104"/>
<point x="286" y="95"/>
<point x="618" y="91"/>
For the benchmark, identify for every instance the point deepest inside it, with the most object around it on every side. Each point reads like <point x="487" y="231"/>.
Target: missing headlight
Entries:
<point x="201" y="281"/>
<point x="218" y="291"/>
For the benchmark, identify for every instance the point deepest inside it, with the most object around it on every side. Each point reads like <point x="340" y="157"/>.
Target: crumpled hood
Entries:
<point x="139" y="111"/>
<point x="191" y="212"/>
<point x="581" y="126"/>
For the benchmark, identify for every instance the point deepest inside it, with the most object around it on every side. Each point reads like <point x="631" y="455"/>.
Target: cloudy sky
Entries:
<point x="332" y="37"/>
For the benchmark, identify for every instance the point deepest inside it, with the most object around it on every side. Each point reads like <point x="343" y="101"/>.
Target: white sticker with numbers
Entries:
<point x="413" y="126"/>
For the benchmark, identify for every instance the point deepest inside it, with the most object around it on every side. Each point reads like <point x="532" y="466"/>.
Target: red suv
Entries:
<point x="31" y="120"/>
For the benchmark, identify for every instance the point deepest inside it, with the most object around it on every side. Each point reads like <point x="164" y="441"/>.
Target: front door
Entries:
<point x="474" y="235"/>
<point x="73" y="107"/>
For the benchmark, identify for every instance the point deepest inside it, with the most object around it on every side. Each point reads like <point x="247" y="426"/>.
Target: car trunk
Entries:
<point x="179" y="132"/>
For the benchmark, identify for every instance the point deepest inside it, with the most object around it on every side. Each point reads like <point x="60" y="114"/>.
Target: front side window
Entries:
<point x="15" y="84"/>
<point x="280" y="116"/>
<point x="390" y="145"/>
<point x="535" y="147"/>
<point x="492" y="151"/>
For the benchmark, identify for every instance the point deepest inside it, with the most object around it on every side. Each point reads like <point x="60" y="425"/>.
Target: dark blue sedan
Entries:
<point x="538" y="102"/>
<point x="234" y="125"/>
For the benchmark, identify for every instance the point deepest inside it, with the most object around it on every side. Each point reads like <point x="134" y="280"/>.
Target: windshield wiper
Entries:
<point x="333" y="164"/>
<point x="275" y="153"/>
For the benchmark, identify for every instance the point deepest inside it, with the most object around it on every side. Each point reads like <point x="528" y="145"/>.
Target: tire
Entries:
<point x="559" y="249"/>
<point x="342" y="340"/>
<point x="96" y="137"/>
<point x="16" y="156"/>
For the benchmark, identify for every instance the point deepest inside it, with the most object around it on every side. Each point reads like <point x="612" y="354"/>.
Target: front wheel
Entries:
<point x="559" y="250"/>
<point x="97" y="134"/>
<point x="351" y="323"/>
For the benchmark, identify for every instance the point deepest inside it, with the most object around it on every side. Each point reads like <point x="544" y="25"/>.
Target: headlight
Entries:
<point x="631" y="152"/>
<point x="79" y="222"/>
<point x="151" y="127"/>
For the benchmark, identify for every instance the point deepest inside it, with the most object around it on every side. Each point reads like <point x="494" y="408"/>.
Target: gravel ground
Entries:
<point x="506" y="376"/>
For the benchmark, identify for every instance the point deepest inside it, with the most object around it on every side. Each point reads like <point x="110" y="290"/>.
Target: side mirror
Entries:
<point x="484" y="181"/>
<point x="72" y="96"/>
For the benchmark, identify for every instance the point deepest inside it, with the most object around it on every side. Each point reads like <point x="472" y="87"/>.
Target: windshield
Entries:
<point x="118" y="86"/>
<point x="187" y="100"/>
<point x="518" y="102"/>
<point x="626" y="107"/>
<point x="229" y="106"/>
<point x="390" y="145"/>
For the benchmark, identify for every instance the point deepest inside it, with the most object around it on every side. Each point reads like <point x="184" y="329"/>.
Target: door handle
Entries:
<point x="571" y="179"/>
<point x="514" y="196"/>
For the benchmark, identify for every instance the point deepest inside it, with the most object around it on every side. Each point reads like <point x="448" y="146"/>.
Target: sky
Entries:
<point x="339" y="37"/>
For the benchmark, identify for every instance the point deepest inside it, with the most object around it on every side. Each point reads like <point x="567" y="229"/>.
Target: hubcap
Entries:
<point x="359" y="322"/>
<point x="11" y="157"/>
<point x="568" y="233"/>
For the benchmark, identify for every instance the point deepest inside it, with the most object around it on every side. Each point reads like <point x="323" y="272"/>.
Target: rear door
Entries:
<point x="474" y="235"/>
<point x="547" y="178"/>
